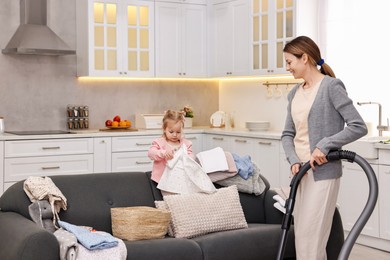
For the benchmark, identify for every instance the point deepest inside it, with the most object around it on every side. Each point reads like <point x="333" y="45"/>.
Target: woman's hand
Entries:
<point x="295" y="168"/>
<point x="318" y="157"/>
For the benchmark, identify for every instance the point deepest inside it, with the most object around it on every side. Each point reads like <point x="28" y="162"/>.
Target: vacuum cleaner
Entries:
<point x="361" y="221"/>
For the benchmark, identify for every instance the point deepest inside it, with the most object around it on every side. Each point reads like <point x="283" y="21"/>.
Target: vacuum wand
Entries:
<point x="361" y="221"/>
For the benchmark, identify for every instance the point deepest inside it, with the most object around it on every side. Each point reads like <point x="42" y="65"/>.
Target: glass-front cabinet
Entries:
<point x="116" y="38"/>
<point x="273" y="24"/>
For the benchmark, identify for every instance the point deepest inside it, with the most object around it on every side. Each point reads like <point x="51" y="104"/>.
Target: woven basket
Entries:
<point x="139" y="223"/>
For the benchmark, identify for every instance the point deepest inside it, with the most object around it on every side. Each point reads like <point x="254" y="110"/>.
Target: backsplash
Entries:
<point x="35" y="90"/>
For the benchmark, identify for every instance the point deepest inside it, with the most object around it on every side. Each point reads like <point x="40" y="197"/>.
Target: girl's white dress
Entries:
<point x="184" y="175"/>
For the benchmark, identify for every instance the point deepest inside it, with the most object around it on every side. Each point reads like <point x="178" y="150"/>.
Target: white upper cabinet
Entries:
<point x="273" y="25"/>
<point x="181" y="31"/>
<point x="115" y="38"/>
<point x="230" y="38"/>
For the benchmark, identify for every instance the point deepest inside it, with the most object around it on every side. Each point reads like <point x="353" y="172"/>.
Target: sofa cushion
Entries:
<point x="250" y="243"/>
<point x="163" y="249"/>
<point x="199" y="213"/>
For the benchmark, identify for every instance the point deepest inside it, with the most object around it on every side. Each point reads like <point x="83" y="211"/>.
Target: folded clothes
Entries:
<point x="280" y="207"/>
<point x="90" y="240"/>
<point x="244" y="165"/>
<point x="213" y="160"/>
<point x="279" y="199"/>
<point x="221" y="175"/>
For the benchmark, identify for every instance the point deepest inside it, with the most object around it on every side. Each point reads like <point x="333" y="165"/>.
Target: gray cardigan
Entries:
<point x="331" y="110"/>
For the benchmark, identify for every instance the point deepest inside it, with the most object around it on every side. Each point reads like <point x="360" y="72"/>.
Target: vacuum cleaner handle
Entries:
<point x="363" y="218"/>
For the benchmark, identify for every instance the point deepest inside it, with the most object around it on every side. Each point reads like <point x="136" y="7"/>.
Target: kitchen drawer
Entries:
<point x="17" y="169"/>
<point x="44" y="147"/>
<point x="131" y="143"/>
<point x="131" y="161"/>
<point x="384" y="156"/>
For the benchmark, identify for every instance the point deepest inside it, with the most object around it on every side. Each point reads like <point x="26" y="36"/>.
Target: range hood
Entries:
<point x="33" y="36"/>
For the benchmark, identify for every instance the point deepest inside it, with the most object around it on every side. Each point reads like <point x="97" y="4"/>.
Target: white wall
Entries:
<point x="354" y="40"/>
<point x="248" y="100"/>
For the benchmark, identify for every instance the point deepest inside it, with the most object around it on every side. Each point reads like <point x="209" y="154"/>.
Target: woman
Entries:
<point x="320" y="117"/>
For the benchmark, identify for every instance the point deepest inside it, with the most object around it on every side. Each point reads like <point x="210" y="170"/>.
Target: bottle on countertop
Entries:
<point x="2" y="125"/>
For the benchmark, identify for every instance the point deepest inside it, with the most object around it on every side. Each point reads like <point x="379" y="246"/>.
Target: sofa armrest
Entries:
<point x="20" y="238"/>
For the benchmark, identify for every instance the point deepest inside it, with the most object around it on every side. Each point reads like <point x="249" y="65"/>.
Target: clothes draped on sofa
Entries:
<point x="43" y="188"/>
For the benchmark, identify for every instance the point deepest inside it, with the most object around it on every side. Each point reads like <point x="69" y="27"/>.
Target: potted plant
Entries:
<point x="188" y="114"/>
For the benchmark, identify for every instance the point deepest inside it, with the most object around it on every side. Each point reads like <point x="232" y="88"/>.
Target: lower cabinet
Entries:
<point x="45" y="157"/>
<point x="102" y="154"/>
<point x="353" y="197"/>
<point x="211" y="141"/>
<point x="384" y="204"/>
<point x="266" y="155"/>
<point x="284" y="168"/>
<point x="130" y="153"/>
<point x="197" y="142"/>
<point x="1" y="167"/>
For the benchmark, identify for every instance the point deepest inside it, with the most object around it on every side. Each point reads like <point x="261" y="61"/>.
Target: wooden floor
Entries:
<point x="360" y="252"/>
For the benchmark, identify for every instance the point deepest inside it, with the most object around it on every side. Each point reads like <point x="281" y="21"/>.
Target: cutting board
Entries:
<point x="119" y="129"/>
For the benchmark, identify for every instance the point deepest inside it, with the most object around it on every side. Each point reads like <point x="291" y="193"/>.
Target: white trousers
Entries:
<point x="313" y="215"/>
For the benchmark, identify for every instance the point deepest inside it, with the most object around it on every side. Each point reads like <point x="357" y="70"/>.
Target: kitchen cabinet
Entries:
<point x="1" y="167"/>
<point x="197" y="142"/>
<point x="115" y="38"/>
<point x="384" y="205"/>
<point x="130" y="153"/>
<point x="273" y="25"/>
<point x="230" y="38"/>
<point x="101" y="154"/>
<point x="43" y="157"/>
<point x="181" y="39"/>
<point x="266" y="155"/>
<point x="284" y="168"/>
<point x="353" y="196"/>
<point x="211" y="141"/>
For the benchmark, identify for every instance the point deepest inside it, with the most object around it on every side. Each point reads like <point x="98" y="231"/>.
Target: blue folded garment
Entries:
<point x="244" y="165"/>
<point x="89" y="240"/>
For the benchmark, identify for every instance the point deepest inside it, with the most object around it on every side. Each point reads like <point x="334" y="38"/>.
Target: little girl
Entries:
<point x="174" y="167"/>
<point x="163" y="148"/>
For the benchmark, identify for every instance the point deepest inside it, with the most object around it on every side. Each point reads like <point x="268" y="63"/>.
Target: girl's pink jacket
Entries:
<point x="156" y="153"/>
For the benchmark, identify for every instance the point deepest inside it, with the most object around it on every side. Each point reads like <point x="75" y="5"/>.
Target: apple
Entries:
<point x="117" y="118"/>
<point x="108" y="123"/>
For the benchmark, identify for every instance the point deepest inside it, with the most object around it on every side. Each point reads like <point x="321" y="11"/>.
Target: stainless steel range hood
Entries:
<point x="33" y="36"/>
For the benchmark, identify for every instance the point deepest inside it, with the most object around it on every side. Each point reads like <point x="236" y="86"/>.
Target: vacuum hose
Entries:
<point x="364" y="216"/>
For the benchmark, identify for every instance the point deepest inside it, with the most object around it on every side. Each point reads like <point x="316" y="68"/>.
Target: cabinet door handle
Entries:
<point x="191" y="138"/>
<point x="50" y="147"/>
<point x="265" y="143"/>
<point x="218" y="138"/>
<point x="137" y="162"/>
<point x="143" y="144"/>
<point x="240" y="141"/>
<point x="51" y="168"/>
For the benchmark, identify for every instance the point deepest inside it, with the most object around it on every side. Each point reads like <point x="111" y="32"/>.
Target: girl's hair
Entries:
<point x="175" y="116"/>
<point x="304" y="44"/>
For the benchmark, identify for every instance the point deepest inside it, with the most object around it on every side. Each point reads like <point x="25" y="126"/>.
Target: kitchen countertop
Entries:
<point x="195" y="130"/>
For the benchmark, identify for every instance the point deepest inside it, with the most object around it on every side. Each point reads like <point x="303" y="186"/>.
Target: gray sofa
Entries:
<point x="90" y="197"/>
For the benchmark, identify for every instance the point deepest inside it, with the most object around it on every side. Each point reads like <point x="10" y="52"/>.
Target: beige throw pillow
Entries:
<point x="198" y="214"/>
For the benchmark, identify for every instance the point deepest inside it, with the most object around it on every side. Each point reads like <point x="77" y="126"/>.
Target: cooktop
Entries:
<point x="39" y="132"/>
